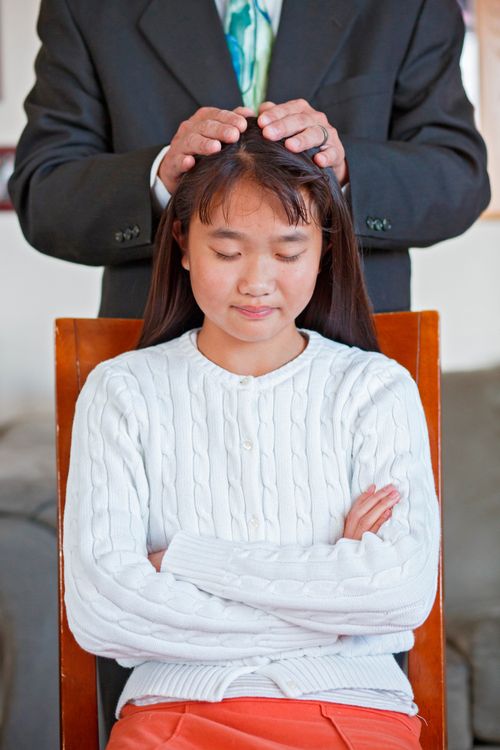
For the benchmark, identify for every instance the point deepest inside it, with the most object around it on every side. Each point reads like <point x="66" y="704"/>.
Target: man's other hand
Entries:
<point x="304" y="127"/>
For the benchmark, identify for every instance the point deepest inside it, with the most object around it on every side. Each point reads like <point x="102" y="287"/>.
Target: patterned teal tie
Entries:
<point x="249" y="36"/>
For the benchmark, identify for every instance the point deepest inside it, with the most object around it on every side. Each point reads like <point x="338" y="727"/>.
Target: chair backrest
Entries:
<point x="412" y="338"/>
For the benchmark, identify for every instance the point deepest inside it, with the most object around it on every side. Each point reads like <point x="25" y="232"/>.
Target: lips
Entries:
<point x="256" y="309"/>
<point x="255" y="313"/>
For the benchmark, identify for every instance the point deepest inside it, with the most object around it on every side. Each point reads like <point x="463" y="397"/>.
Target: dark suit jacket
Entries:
<point x="115" y="79"/>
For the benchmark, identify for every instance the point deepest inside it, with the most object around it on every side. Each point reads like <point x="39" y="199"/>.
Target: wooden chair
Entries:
<point x="410" y="337"/>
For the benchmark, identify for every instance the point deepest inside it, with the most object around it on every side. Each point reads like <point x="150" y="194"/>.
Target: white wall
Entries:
<point x="458" y="277"/>
<point x="35" y="290"/>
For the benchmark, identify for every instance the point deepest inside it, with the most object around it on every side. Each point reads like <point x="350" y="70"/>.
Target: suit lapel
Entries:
<point x="310" y="35"/>
<point x="189" y="39"/>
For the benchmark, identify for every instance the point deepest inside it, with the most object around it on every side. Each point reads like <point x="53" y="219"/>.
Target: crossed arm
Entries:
<point x="368" y="512"/>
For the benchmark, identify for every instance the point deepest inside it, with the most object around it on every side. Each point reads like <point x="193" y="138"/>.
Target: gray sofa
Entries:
<point x="471" y="479"/>
<point x="471" y="482"/>
<point x="28" y="587"/>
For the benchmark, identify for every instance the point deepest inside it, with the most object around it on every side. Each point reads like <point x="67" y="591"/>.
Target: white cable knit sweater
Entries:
<point x="247" y="481"/>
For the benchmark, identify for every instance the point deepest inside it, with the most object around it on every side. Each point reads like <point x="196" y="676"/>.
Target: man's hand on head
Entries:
<point x="296" y="121"/>
<point x="203" y="134"/>
<point x="304" y="127"/>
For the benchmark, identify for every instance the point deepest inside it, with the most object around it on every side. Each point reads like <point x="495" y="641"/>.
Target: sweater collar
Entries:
<point x="188" y="346"/>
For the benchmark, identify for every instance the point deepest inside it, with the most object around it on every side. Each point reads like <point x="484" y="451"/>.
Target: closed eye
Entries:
<point x="224" y="257"/>
<point x="285" y="258"/>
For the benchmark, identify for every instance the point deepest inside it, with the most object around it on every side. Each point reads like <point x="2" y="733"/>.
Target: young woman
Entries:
<point x="224" y="534"/>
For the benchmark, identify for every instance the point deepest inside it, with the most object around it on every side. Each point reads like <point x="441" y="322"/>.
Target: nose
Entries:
<point x="257" y="278"/>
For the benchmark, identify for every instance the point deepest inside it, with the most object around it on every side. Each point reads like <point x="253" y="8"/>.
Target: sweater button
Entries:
<point x="246" y="380"/>
<point x="248" y="445"/>
<point x="254" y="522"/>
<point x="291" y="685"/>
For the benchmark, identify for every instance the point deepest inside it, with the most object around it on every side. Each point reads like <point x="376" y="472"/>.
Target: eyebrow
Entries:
<point x="231" y="234"/>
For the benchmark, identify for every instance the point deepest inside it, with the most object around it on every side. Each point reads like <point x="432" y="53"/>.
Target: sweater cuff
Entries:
<point x="197" y="559"/>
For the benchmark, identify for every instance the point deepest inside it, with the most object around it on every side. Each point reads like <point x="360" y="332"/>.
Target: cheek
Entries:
<point x="300" y="281"/>
<point x="210" y="280"/>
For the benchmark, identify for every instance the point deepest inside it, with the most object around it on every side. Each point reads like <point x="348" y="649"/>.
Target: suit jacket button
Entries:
<point x="369" y="222"/>
<point x="386" y="225"/>
<point x="378" y="225"/>
<point x="119" y="236"/>
<point x="127" y="235"/>
<point x="136" y="230"/>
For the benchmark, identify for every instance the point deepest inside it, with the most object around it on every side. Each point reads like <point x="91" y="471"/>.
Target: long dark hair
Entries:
<point x="339" y="307"/>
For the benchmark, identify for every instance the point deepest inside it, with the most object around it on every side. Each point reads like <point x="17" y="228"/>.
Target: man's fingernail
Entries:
<point x="295" y="142"/>
<point x="264" y="120"/>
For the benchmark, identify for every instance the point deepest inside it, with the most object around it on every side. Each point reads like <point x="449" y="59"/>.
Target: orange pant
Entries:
<point x="262" y="724"/>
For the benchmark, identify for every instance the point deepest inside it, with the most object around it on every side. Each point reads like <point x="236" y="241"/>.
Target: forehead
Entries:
<point x="248" y="203"/>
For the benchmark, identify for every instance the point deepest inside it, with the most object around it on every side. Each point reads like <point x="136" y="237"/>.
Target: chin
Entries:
<point x="256" y="331"/>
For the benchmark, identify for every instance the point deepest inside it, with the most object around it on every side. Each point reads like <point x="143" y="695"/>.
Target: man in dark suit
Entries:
<point x="115" y="80"/>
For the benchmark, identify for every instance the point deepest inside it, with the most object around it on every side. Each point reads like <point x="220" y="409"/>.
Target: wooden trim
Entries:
<point x="77" y="676"/>
<point x="426" y="661"/>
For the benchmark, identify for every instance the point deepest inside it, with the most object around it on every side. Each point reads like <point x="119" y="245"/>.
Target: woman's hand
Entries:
<point x="203" y="134"/>
<point x="155" y="559"/>
<point x="370" y="511"/>
<point x="304" y="127"/>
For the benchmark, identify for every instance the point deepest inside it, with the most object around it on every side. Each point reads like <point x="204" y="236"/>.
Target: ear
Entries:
<point x="181" y="240"/>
